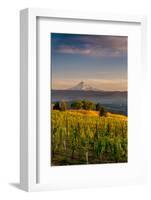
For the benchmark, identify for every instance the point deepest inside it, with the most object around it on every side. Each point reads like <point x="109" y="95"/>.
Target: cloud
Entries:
<point x="105" y="84"/>
<point x="90" y="45"/>
<point x="73" y="50"/>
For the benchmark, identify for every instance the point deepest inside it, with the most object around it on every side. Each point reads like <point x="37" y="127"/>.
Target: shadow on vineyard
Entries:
<point x="86" y="137"/>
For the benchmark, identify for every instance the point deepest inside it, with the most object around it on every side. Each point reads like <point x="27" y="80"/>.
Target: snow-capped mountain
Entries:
<point x="83" y="86"/>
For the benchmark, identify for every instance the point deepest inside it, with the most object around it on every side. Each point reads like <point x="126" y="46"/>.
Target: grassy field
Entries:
<point x="83" y="137"/>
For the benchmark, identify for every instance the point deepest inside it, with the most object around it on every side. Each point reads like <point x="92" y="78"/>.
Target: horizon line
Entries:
<point x="92" y="90"/>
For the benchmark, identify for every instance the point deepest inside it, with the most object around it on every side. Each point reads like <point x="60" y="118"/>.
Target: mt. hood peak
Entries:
<point x="83" y="86"/>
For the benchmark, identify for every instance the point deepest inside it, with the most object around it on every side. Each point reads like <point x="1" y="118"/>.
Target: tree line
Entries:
<point x="80" y="105"/>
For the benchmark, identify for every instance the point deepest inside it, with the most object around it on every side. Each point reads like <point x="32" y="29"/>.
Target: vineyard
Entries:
<point x="84" y="137"/>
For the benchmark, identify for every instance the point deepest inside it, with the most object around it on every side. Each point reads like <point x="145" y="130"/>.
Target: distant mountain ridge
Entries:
<point x="113" y="101"/>
<point x="83" y="86"/>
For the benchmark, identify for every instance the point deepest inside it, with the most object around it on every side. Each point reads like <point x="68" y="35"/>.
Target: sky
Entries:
<point x="98" y="60"/>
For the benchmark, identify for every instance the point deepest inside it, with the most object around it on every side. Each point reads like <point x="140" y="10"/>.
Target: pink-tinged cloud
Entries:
<point x="73" y="50"/>
<point x="106" y="84"/>
<point x="90" y="51"/>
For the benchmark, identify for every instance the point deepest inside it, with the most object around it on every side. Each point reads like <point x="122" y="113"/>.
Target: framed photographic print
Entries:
<point x="82" y="78"/>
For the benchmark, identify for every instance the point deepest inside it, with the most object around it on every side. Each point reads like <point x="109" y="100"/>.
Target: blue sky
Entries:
<point x="100" y="61"/>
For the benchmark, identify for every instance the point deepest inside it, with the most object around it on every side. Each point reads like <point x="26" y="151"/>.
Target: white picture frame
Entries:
<point x="29" y="148"/>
